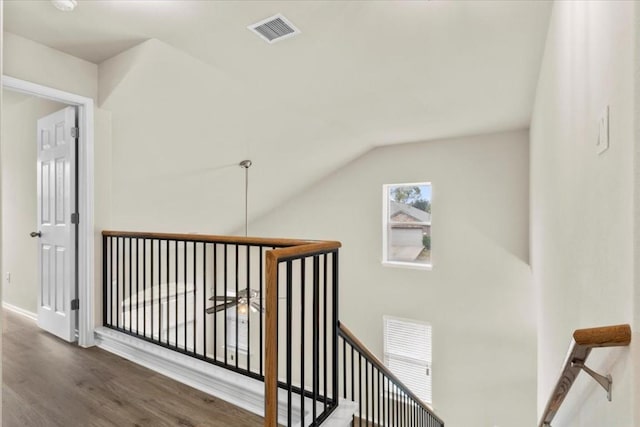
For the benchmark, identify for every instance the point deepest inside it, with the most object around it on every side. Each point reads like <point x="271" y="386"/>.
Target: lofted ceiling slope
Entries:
<point x="394" y="71"/>
<point x="360" y="75"/>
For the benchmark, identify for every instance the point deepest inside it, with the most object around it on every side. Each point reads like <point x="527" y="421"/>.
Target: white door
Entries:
<point x="57" y="142"/>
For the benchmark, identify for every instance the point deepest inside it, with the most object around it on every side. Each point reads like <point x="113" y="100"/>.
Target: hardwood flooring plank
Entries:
<point x="48" y="382"/>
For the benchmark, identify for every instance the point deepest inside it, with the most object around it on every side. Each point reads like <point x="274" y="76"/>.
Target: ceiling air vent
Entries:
<point x="274" y="28"/>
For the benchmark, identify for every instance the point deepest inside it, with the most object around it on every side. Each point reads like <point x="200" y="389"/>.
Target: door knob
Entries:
<point x="35" y="234"/>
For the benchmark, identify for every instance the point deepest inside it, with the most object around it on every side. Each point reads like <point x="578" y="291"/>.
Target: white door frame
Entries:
<point x="86" y="276"/>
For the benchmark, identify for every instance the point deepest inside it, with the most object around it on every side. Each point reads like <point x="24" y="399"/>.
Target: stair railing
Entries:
<point x="383" y="400"/>
<point x="302" y="333"/>
<point x="171" y="290"/>
<point x="584" y="340"/>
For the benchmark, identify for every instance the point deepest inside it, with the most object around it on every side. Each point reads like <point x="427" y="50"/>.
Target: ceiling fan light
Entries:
<point x="243" y="308"/>
<point x="65" y="5"/>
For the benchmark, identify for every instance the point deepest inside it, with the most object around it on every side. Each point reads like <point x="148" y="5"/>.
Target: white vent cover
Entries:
<point x="274" y="28"/>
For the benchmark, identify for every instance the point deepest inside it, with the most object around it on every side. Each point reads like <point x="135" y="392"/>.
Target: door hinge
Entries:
<point x="75" y="304"/>
<point x="75" y="132"/>
<point x="75" y="218"/>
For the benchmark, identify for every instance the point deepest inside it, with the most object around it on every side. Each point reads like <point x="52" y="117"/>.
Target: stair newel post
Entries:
<point x="271" y="342"/>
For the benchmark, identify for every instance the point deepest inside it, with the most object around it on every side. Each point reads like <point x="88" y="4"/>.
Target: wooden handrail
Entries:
<point x="209" y="238"/>
<point x="358" y="345"/>
<point x="583" y="341"/>
<point x="273" y="258"/>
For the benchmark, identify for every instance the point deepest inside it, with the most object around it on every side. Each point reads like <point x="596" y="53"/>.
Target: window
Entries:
<point x="407" y="353"/>
<point x="407" y="225"/>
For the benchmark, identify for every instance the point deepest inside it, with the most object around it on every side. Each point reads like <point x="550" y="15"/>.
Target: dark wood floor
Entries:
<point x="47" y="382"/>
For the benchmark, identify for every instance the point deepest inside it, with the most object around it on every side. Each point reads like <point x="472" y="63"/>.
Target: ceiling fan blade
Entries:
<point x="224" y="298"/>
<point x="221" y="307"/>
<point x="257" y="307"/>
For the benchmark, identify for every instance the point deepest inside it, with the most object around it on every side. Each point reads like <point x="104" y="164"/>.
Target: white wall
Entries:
<point x="582" y="224"/>
<point x="180" y="128"/>
<point x="19" y="201"/>
<point x="34" y="62"/>
<point x="478" y="297"/>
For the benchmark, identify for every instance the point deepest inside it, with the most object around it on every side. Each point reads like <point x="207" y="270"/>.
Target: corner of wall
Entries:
<point x="34" y="62"/>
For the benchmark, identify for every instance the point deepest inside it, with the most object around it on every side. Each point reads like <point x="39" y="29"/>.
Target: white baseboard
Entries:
<point x="20" y="311"/>
<point x="237" y="389"/>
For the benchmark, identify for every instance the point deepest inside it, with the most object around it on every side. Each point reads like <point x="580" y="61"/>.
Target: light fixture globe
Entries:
<point x="65" y="5"/>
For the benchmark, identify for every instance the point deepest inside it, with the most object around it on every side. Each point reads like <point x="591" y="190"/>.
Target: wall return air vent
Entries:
<point x="274" y="28"/>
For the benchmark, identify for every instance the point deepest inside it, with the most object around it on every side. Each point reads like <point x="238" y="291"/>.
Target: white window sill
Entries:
<point x="411" y="265"/>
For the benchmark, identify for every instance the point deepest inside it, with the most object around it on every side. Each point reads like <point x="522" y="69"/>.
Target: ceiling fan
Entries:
<point x="247" y="299"/>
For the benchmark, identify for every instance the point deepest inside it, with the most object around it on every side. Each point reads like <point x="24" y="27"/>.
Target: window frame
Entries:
<point x="387" y="225"/>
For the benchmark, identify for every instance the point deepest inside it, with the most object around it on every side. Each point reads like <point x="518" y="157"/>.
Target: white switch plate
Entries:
<point x="602" y="144"/>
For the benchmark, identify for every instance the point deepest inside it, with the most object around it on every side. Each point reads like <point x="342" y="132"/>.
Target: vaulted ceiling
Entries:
<point x="361" y="74"/>
<point x="397" y="70"/>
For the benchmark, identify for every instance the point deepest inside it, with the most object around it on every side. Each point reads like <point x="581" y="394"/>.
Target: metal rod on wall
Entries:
<point x="246" y="164"/>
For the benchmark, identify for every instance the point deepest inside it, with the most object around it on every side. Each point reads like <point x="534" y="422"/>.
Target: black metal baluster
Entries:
<point x="204" y="299"/>
<point x="288" y="333"/>
<point x="396" y="409"/>
<point x="104" y="280"/>
<point x="195" y="290"/>
<point x="378" y="392"/>
<point x="175" y="291"/>
<point x="344" y="369"/>
<point x="260" y="302"/>
<point x="144" y="287"/>
<point x="133" y="264"/>
<point x="360" y="387"/>
<point x="324" y="328"/>
<point x="117" y="282"/>
<point x="248" y="308"/>
<point x="167" y="326"/>
<point x="137" y="286"/>
<point x="405" y="419"/>
<point x="106" y="287"/>
<point x="412" y="408"/>
<point x="400" y="408"/>
<point x="151" y="260"/>
<point x="385" y="399"/>
<point x="302" y="332"/>
<point x="237" y="306"/>
<point x="366" y="390"/>
<point x="390" y="402"/>
<point x="353" y="388"/>
<point x="113" y="272"/>
<point x="184" y="292"/>
<point x="335" y="322"/>
<point x="124" y="293"/>
<point x="225" y="305"/>
<point x="397" y="404"/>
<point x="316" y="338"/>
<point x="215" y="302"/>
